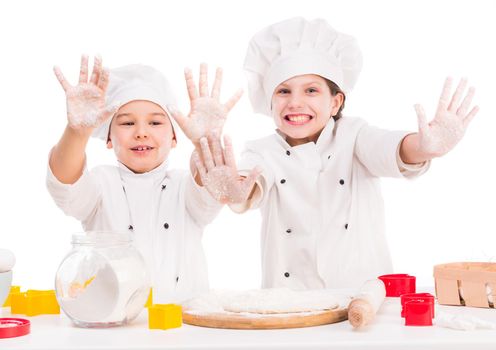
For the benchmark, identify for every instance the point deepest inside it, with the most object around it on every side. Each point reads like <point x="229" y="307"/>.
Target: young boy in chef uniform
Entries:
<point x="318" y="191"/>
<point x="165" y="210"/>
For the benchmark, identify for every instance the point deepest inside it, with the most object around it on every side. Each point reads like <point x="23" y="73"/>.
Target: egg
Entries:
<point x="7" y="260"/>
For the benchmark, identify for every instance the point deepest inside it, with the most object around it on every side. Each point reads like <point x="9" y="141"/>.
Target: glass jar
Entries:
<point x="103" y="281"/>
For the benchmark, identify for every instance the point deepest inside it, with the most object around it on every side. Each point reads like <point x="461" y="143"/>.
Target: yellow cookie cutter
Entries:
<point x="34" y="302"/>
<point x="164" y="316"/>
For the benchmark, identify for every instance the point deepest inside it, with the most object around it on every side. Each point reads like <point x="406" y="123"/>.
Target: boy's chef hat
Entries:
<point x="136" y="82"/>
<point x="297" y="47"/>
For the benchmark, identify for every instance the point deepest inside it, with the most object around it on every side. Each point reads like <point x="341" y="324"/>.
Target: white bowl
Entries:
<point x="5" y="282"/>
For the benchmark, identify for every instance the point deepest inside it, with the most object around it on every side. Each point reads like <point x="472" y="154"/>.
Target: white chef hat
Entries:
<point x="137" y="82"/>
<point x="296" y="47"/>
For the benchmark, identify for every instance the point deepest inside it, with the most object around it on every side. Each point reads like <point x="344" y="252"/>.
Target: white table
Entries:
<point x="387" y="332"/>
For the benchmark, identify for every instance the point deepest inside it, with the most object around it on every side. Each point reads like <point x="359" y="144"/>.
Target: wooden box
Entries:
<point x="466" y="283"/>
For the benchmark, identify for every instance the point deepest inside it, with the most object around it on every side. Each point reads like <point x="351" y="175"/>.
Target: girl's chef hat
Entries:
<point x="136" y="82"/>
<point x="297" y="47"/>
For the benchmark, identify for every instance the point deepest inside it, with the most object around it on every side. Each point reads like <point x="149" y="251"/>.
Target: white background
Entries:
<point x="408" y="46"/>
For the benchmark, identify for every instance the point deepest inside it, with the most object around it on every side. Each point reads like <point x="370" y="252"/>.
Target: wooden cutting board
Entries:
<point x="233" y="320"/>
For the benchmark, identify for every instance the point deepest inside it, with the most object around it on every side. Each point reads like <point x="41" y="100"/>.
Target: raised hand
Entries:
<point x="86" y="101"/>
<point x="452" y="118"/>
<point x="219" y="174"/>
<point x="207" y="115"/>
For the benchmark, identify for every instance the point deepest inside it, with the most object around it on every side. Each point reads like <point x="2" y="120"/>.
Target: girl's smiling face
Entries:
<point x="141" y="135"/>
<point x="302" y="106"/>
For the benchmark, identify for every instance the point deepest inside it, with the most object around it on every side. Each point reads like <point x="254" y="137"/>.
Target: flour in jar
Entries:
<point x="264" y="301"/>
<point x="114" y="295"/>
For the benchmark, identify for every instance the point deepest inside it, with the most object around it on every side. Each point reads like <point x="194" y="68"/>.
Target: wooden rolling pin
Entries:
<point x="364" y="306"/>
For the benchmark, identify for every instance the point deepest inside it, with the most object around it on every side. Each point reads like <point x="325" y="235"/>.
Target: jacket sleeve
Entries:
<point x="79" y="199"/>
<point x="202" y="207"/>
<point x="378" y="150"/>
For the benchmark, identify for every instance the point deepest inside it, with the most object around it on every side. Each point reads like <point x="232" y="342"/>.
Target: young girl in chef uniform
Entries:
<point x="165" y="210"/>
<point x="318" y="190"/>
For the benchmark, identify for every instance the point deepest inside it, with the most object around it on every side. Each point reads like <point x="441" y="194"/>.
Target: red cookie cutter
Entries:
<point x="418" y="313"/>
<point x="14" y="327"/>
<point x="423" y="297"/>
<point x="397" y="284"/>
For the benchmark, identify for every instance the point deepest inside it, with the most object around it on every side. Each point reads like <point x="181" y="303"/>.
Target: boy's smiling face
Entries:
<point x="141" y="135"/>
<point x="302" y="106"/>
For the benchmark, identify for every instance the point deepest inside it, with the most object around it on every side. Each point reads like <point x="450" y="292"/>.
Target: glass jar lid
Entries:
<point x="102" y="238"/>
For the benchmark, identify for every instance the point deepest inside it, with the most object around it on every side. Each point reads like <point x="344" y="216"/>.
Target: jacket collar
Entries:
<point x="156" y="174"/>
<point x="322" y="143"/>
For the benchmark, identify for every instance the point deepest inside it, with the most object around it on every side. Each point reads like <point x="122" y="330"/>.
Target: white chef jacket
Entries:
<point x="321" y="204"/>
<point x="166" y="209"/>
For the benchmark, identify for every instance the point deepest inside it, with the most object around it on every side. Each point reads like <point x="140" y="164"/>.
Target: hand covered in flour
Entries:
<point x="440" y="135"/>
<point x="207" y="115"/>
<point x="86" y="101"/>
<point x="218" y="172"/>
